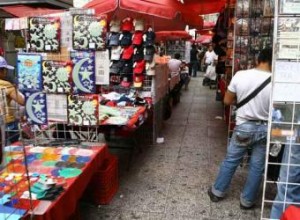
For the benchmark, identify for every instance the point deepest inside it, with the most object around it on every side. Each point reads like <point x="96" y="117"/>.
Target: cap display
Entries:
<point x="138" y="54"/>
<point x="127" y="24"/>
<point x="116" y="53"/>
<point x="114" y="39"/>
<point x="126" y="39"/>
<point x="149" y="53"/>
<point x="138" y="81"/>
<point x="139" y="67"/>
<point x="115" y="25"/>
<point x="137" y="38"/>
<point x="138" y="25"/>
<point x="3" y="64"/>
<point x="127" y="53"/>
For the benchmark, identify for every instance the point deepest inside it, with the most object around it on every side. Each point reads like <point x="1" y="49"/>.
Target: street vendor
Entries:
<point x="12" y="94"/>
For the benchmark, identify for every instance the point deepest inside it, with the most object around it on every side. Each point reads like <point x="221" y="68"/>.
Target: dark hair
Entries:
<point x="177" y="56"/>
<point x="194" y="46"/>
<point x="265" y="56"/>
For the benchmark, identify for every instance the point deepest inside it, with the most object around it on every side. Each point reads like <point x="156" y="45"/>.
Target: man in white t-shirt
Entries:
<point x="210" y="56"/>
<point x="175" y="63"/>
<point x="250" y="131"/>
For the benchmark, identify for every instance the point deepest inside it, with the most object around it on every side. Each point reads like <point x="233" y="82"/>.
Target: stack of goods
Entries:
<point x="131" y="52"/>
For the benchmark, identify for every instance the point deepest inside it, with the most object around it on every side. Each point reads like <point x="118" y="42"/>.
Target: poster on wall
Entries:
<point x="29" y="72"/>
<point x="289" y="49"/>
<point x="56" y="76"/>
<point x="44" y="34"/>
<point x="102" y="67"/>
<point x="89" y="32"/>
<point x="289" y="6"/>
<point x="288" y="72"/>
<point x="36" y="107"/>
<point x="83" y="73"/>
<point x="289" y="27"/>
<point x="83" y="109"/>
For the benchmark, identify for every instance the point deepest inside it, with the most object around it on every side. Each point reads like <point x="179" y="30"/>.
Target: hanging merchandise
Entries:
<point x="89" y="32"/>
<point x="36" y="107"/>
<point x="83" y="110"/>
<point x="29" y="72"/>
<point x="56" y="76"/>
<point x="44" y="34"/>
<point x="83" y="74"/>
<point x="57" y="107"/>
<point x="102" y="67"/>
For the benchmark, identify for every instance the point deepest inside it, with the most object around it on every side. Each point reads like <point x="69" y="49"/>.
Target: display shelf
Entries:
<point x="284" y="123"/>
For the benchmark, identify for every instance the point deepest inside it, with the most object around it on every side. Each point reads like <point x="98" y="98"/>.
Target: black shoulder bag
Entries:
<point x="253" y="94"/>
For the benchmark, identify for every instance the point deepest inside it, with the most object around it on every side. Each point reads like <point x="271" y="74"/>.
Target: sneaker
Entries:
<point x="246" y="207"/>
<point x="213" y="197"/>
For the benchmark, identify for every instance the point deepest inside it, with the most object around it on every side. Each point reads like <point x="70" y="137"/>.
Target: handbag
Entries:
<point x="254" y="93"/>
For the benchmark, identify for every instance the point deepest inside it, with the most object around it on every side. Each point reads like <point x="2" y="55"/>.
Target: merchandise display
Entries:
<point x="83" y="74"/>
<point x="44" y="34"/>
<point x="36" y="107"/>
<point x="54" y="172"/>
<point x="82" y="110"/>
<point x="29" y="72"/>
<point x="56" y="76"/>
<point x="89" y="32"/>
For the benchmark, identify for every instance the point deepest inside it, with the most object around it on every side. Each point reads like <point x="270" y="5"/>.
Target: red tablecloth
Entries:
<point x="65" y="205"/>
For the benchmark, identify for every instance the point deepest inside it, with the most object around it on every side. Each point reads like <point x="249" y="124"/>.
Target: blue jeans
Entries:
<point x="247" y="135"/>
<point x="289" y="192"/>
<point x="194" y="66"/>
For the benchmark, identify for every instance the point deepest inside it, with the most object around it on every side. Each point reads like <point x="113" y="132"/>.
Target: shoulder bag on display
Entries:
<point x="253" y="94"/>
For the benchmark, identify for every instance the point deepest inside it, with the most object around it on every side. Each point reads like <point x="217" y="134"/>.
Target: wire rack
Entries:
<point x="284" y="126"/>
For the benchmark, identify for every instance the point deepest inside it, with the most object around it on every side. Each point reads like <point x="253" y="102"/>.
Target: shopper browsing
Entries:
<point x="174" y="64"/>
<point x="250" y="131"/>
<point x="12" y="94"/>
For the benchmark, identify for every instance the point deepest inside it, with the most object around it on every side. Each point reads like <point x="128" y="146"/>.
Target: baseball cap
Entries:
<point x="114" y="67"/>
<point x="138" y="81"/>
<point x="116" y="53"/>
<point x="138" y="25"/>
<point x="127" y="53"/>
<point x="127" y="24"/>
<point x="150" y="38"/>
<point x="114" y="79"/>
<point x="126" y="39"/>
<point x="127" y="67"/>
<point x="3" y="64"/>
<point x="139" y="67"/>
<point x="138" y="54"/>
<point x="115" y="25"/>
<point x="125" y="82"/>
<point x="149" y="53"/>
<point x="137" y="38"/>
<point x="114" y="39"/>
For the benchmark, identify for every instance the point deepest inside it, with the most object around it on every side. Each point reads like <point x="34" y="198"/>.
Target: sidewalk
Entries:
<point x="170" y="180"/>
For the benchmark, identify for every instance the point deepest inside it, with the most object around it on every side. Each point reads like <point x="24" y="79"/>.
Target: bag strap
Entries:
<point x="253" y="94"/>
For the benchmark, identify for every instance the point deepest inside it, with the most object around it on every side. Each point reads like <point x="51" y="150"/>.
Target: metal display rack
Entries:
<point x="284" y="124"/>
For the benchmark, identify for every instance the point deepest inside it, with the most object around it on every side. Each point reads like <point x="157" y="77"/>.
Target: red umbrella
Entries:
<point x="205" y="7"/>
<point x="165" y="14"/>
<point x="26" y="11"/>
<point x="172" y="35"/>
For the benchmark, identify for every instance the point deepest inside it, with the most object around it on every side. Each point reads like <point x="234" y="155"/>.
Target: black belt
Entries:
<point x="259" y="121"/>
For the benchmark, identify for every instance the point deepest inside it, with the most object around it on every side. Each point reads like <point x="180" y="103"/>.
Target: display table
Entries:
<point x="65" y="204"/>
